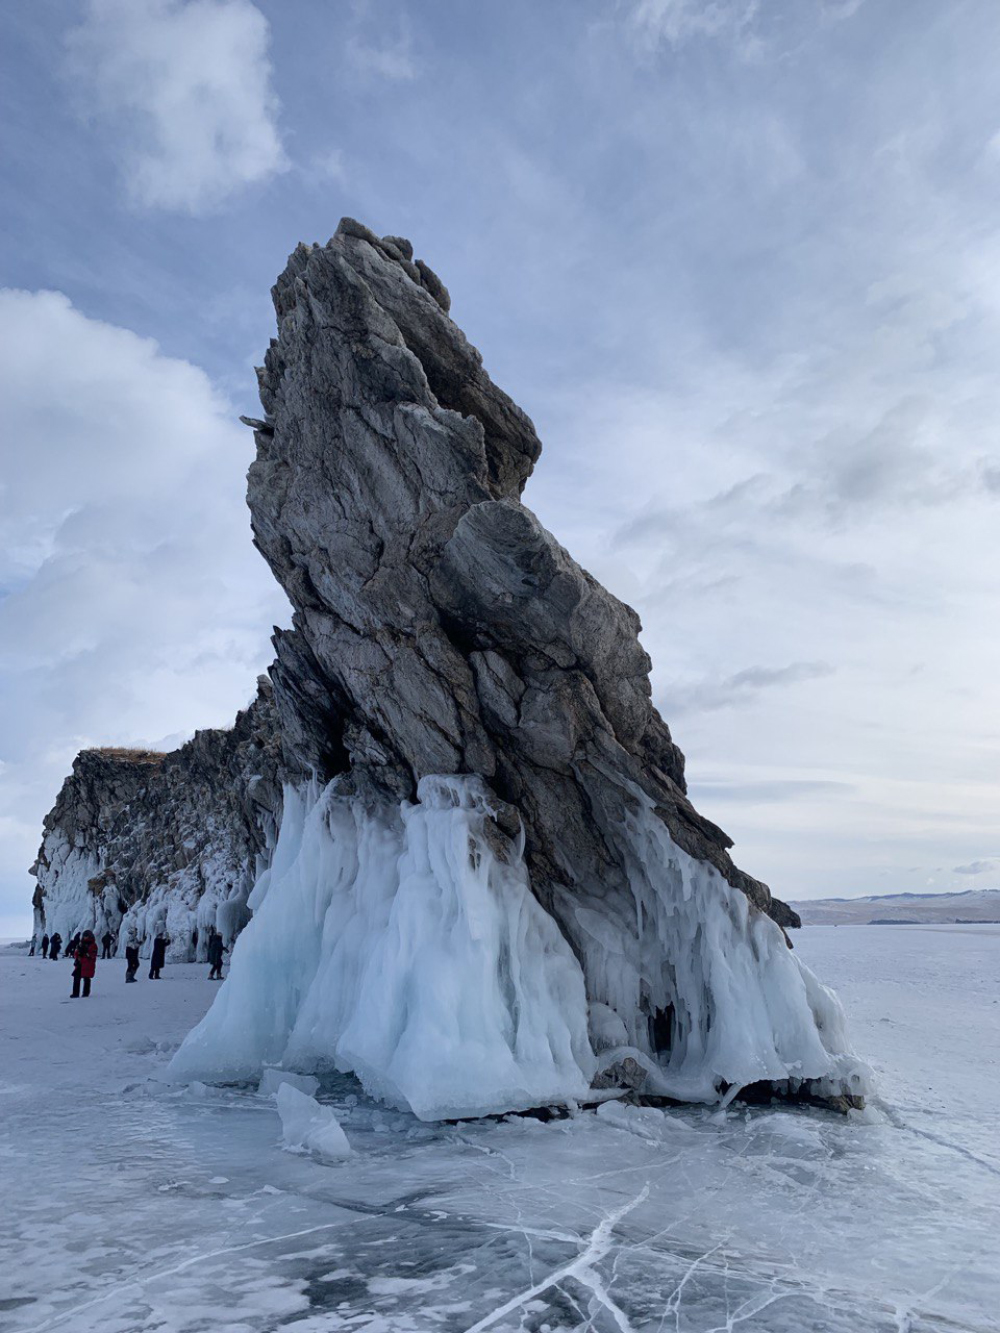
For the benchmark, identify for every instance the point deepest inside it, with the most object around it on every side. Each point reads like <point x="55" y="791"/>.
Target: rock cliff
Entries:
<point x="139" y="840"/>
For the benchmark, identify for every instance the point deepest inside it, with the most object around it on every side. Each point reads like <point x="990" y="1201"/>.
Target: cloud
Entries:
<point x="379" y="43"/>
<point x="837" y="11"/>
<point x="768" y="791"/>
<point x="328" y="165"/>
<point x="752" y="28"/>
<point x="678" y="21"/>
<point x="765" y="678"/>
<point x="739" y="689"/>
<point x="132" y="603"/>
<point x="975" y="868"/>
<point x="184" y="89"/>
<point x="393" y="61"/>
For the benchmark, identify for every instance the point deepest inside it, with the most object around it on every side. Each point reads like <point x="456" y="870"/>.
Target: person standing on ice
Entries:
<point x="158" y="956"/>
<point x="107" y="939"/>
<point x="215" y="952"/>
<point x="131" y="958"/>
<point x="55" y="944"/>
<point x="45" y="946"/>
<point x="85" y="965"/>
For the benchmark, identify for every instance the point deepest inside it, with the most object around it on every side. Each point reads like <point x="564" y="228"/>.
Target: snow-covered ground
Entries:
<point x="129" y="1204"/>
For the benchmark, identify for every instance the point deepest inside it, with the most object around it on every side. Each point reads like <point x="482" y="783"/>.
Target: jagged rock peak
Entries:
<point x="399" y="249"/>
<point x="446" y="629"/>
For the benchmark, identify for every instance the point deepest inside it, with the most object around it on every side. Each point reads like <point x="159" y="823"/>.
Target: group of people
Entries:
<point x="82" y="948"/>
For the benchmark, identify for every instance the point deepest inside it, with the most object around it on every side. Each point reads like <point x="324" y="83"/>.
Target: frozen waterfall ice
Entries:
<point x="396" y="944"/>
<point x="405" y="945"/>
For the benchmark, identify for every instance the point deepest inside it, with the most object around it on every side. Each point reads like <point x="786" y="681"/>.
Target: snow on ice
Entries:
<point x="133" y="1204"/>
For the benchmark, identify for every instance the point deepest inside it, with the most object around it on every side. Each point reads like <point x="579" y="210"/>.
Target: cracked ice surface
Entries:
<point x="131" y="1205"/>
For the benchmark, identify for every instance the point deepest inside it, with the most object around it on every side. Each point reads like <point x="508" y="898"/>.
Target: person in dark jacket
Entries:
<point x="158" y="956"/>
<point x="131" y="958"/>
<point x="73" y="945"/>
<point x="107" y="939"/>
<point x="55" y="944"/>
<point x="85" y="964"/>
<point x="215" y="951"/>
<point x="45" y="946"/>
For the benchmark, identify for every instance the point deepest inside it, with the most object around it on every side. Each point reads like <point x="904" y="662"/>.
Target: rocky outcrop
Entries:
<point x="438" y="627"/>
<point x="138" y="840"/>
<point x="476" y="711"/>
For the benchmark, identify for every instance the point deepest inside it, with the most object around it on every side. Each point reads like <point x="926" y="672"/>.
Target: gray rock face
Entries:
<point x="438" y="627"/>
<point x="163" y="840"/>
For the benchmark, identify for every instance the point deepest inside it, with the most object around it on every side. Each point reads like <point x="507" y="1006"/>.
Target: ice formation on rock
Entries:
<point x="489" y="885"/>
<point x="395" y="943"/>
<point x="139" y="841"/>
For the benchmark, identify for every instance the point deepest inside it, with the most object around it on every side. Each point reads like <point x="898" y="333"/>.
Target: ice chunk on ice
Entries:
<point x="306" y="1126"/>
<point x="647" y="1122"/>
<point x="272" y="1079"/>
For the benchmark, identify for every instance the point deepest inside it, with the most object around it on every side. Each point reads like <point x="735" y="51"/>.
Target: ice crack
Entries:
<point x="582" y="1268"/>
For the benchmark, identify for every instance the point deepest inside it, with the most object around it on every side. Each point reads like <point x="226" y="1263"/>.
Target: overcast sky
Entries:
<point x="738" y="259"/>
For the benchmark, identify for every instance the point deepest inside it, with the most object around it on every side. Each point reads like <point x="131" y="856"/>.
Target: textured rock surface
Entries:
<point x="163" y="840"/>
<point x="438" y="627"/>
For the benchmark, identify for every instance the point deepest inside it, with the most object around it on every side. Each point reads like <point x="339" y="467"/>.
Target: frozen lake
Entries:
<point x="131" y="1206"/>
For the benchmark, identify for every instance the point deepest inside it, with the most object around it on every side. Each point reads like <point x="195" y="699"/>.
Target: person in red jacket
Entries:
<point x="85" y="964"/>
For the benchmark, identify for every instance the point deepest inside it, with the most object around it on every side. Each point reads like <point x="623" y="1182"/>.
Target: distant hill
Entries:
<point x="887" y="909"/>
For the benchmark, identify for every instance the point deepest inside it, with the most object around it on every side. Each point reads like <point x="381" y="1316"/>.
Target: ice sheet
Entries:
<point x="132" y="1206"/>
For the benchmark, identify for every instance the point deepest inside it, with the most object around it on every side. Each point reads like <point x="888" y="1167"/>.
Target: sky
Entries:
<point x="738" y="259"/>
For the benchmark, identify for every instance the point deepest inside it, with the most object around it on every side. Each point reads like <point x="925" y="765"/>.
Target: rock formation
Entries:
<point x="138" y="840"/>
<point x="489" y="888"/>
<point x="455" y="680"/>
<point x="448" y="630"/>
